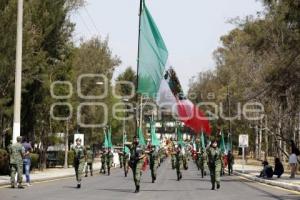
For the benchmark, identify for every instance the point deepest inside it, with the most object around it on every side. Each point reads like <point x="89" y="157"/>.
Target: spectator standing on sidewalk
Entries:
<point x="230" y="159"/>
<point x="27" y="160"/>
<point x="293" y="164"/>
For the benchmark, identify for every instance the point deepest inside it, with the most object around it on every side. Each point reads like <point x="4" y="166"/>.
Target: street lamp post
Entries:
<point x="18" y="74"/>
<point x="124" y="128"/>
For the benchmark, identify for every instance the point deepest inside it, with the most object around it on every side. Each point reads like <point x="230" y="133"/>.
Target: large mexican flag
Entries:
<point x="153" y="55"/>
<point x="159" y="81"/>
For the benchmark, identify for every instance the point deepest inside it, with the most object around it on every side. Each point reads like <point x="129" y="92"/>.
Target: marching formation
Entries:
<point x="209" y="159"/>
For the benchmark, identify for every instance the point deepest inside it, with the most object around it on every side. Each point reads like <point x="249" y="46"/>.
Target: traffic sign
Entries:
<point x="243" y="140"/>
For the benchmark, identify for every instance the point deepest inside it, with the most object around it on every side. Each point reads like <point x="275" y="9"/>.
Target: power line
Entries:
<point x="85" y="24"/>
<point x="92" y="20"/>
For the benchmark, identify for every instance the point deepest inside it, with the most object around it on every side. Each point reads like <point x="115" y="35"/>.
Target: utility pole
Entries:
<point x="18" y="74"/>
<point x="229" y="105"/>
<point x="124" y="130"/>
<point x="124" y="122"/>
<point x="266" y="139"/>
<point x="66" y="145"/>
<point x="260" y="139"/>
<point x="256" y="142"/>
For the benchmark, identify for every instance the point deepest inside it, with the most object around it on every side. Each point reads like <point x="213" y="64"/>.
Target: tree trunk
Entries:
<point x="66" y="146"/>
<point x="266" y="139"/>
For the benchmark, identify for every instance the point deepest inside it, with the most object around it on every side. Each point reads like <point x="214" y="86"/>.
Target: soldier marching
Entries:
<point x="79" y="160"/>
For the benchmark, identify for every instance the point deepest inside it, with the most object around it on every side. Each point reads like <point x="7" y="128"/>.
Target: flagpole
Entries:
<point x="138" y="63"/>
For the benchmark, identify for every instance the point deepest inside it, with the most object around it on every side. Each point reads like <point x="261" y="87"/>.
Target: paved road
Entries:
<point x="117" y="187"/>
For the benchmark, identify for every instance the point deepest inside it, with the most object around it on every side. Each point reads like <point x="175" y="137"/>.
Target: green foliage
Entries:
<point x="258" y="61"/>
<point x="130" y="76"/>
<point x="95" y="57"/>
<point x="34" y="160"/>
<point x="61" y="158"/>
<point x="4" y="162"/>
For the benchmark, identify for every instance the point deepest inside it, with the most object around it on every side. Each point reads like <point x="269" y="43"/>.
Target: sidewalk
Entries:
<point x="49" y="174"/>
<point x="251" y="172"/>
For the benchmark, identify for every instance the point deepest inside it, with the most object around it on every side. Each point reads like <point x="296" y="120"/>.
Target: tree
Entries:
<point x="259" y="61"/>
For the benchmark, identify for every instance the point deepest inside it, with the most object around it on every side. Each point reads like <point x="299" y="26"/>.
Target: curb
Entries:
<point x="47" y="178"/>
<point x="287" y="186"/>
<point x="42" y="179"/>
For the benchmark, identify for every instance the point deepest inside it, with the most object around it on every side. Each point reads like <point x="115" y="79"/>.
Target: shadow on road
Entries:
<point x="268" y="194"/>
<point x="116" y="190"/>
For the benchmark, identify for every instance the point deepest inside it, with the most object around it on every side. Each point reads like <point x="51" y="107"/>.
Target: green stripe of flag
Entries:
<point x="153" y="55"/>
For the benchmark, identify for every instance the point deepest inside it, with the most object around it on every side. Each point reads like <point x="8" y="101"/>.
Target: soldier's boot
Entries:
<point x="20" y="186"/>
<point x="202" y="173"/>
<point x="179" y="176"/>
<point x="153" y="179"/>
<point x="13" y="185"/>
<point x="213" y="186"/>
<point x="137" y="189"/>
<point x="218" y="185"/>
<point x="86" y="175"/>
<point x="91" y="173"/>
<point x="108" y="172"/>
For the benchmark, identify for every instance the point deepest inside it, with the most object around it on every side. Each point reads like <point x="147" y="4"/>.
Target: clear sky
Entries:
<point x="191" y="28"/>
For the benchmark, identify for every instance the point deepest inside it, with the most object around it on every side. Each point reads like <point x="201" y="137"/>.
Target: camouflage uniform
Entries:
<point x="179" y="157"/>
<point x="230" y="159"/>
<point x="125" y="162"/>
<point x="109" y="161"/>
<point x="214" y="164"/>
<point x="185" y="161"/>
<point x="153" y="156"/>
<point x="136" y="163"/>
<point x="121" y="155"/>
<point x="89" y="161"/>
<point x="202" y="161"/>
<point x="16" y="152"/>
<point x="173" y="156"/>
<point x="161" y="155"/>
<point x="103" y="163"/>
<point x="79" y="162"/>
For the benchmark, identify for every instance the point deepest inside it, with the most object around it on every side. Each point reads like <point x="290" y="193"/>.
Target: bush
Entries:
<point x="34" y="160"/>
<point x="4" y="162"/>
<point x="61" y="158"/>
<point x="71" y="158"/>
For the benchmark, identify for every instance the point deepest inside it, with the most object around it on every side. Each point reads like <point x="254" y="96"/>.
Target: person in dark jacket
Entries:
<point x="267" y="171"/>
<point x="279" y="170"/>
